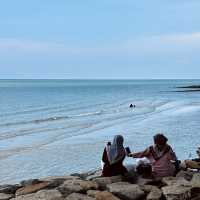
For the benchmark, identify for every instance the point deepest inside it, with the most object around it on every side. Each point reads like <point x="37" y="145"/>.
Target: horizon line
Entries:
<point x="99" y="78"/>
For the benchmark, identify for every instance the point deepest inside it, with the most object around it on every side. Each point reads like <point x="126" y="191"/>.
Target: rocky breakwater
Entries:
<point x="190" y="88"/>
<point x="91" y="186"/>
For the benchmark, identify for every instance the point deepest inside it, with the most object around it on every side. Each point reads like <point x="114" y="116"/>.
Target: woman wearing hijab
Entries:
<point x="113" y="157"/>
<point x="161" y="157"/>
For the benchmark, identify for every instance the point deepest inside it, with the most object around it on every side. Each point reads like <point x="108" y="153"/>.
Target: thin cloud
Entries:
<point x="144" y="45"/>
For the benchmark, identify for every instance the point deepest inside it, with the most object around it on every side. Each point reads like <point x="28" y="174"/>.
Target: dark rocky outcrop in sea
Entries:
<point x="190" y="88"/>
<point x="91" y="186"/>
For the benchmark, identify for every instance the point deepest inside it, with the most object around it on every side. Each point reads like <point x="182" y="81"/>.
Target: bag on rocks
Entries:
<point x="143" y="167"/>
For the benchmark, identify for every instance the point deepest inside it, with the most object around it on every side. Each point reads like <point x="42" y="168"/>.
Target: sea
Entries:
<point x="59" y="127"/>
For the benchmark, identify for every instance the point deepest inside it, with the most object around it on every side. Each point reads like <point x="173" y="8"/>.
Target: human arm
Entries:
<point x="141" y="154"/>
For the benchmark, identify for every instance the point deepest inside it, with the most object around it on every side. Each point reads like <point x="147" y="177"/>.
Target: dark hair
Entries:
<point x="160" y="139"/>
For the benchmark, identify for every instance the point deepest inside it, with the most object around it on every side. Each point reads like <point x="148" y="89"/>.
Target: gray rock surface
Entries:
<point x="175" y="181"/>
<point x="126" y="191"/>
<point x="76" y="196"/>
<point x="105" y="195"/>
<point x="104" y="181"/>
<point x="32" y="188"/>
<point x="29" y="182"/>
<point x="186" y="174"/>
<point x="77" y="186"/>
<point x="175" y="192"/>
<point x="42" y="195"/>
<point x="9" y="189"/>
<point x="152" y="192"/>
<point x="195" y="182"/>
<point x="4" y="196"/>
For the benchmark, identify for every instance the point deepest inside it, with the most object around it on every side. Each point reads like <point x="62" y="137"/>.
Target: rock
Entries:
<point x="89" y="185"/>
<point x="9" y="189"/>
<point x="176" y="192"/>
<point x="105" y="196"/>
<point x="41" y="195"/>
<point x="60" y="178"/>
<point x="93" y="176"/>
<point x="99" y="195"/>
<point x="31" y="188"/>
<point x="155" y="194"/>
<point x="77" y="186"/>
<point x="186" y="174"/>
<point x="29" y="182"/>
<point x="92" y="193"/>
<point x="77" y="196"/>
<point x="195" y="182"/>
<point x="152" y="192"/>
<point x="66" y="189"/>
<point x="56" y="181"/>
<point x="49" y="195"/>
<point x="126" y="191"/>
<point x="4" y="196"/>
<point x="25" y="197"/>
<point x="175" y="181"/>
<point x="89" y="175"/>
<point x="104" y="181"/>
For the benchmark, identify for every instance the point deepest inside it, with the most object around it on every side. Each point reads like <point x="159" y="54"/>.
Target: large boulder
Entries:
<point x="186" y="174"/>
<point x="101" y="195"/>
<point x="77" y="196"/>
<point x="56" y="181"/>
<point x="4" y="196"/>
<point x="9" y="189"/>
<point x="155" y="194"/>
<point x="105" y="195"/>
<point x="67" y="189"/>
<point x="26" y="197"/>
<point x="89" y="175"/>
<point x="32" y="188"/>
<point x="126" y="191"/>
<point x="92" y="193"/>
<point x="29" y="182"/>
<point x="195" y="182"/>
<point x="104" y="181"/>
<point x="152" y="192"/>
<point x="49" y="195"/>
<point x="77" y="186"/>
<point x="177" y="192"/>
<point x="97" y="174"/>
<point x="41" y="195"/>
<point x="175" y="181"/>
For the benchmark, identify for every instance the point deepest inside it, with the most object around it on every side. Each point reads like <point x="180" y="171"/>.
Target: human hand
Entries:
<point x="130" y="155"/>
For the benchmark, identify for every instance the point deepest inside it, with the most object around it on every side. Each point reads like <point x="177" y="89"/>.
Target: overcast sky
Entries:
<point x="100" y="39"/>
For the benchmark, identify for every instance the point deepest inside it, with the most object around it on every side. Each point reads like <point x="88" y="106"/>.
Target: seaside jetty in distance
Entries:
<point x="190" y="88"/>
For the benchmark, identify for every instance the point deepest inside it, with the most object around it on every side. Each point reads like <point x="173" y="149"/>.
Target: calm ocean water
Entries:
<point x="56" y="127"/>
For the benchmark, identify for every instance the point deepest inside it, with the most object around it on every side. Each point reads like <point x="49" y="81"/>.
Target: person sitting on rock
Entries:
<point x="113" y="156"/>
<point x="161" y="157"/>
<point x="193" y="163"/>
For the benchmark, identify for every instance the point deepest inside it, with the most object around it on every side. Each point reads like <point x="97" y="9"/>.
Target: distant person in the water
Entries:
<point x="132" y="106"/>
<point x="113" y="157"/>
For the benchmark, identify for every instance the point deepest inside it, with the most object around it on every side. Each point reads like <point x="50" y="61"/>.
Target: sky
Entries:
<point x="90" y="39"/>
